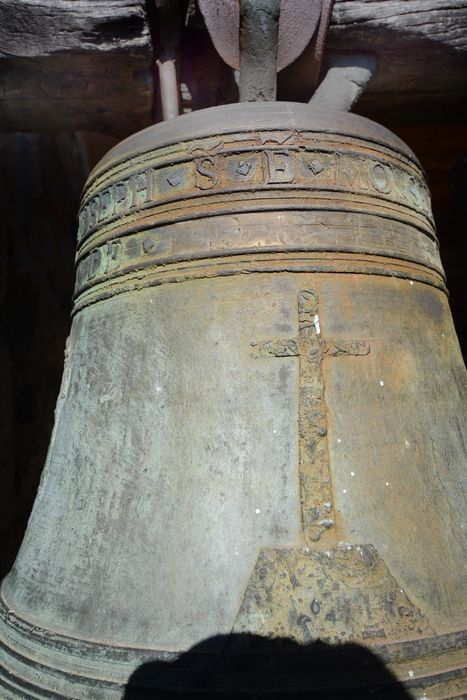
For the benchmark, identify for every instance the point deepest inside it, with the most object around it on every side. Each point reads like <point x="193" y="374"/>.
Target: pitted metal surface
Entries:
<point x="261" y="424"/>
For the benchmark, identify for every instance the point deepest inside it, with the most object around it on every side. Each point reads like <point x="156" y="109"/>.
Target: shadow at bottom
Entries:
<point x="252" y="667"/>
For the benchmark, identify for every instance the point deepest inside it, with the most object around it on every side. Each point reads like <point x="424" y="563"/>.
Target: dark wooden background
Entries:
<point x="77" y="75"/>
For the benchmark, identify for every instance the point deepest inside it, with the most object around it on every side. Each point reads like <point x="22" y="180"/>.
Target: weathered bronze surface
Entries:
<point x="261" y="426"/>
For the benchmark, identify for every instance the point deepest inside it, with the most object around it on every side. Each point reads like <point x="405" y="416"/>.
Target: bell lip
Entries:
<point x="23" y="640"/>
<point x="248" y="116"/>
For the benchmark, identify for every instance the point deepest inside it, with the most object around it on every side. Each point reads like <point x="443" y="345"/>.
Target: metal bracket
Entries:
<point x="346" y="78"/>
<point x="259" y="24"/>
<point x="262" y="37"/>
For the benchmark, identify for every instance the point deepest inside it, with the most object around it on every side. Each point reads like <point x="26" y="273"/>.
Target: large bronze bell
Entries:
<point x="261" y="425"/>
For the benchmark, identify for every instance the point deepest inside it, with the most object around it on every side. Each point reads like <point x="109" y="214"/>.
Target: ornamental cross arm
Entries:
<point x="291" y="347"/>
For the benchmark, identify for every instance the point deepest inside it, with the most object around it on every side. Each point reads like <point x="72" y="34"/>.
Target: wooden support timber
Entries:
<point x="78" y="64"/>
<point x="75" y="64"/>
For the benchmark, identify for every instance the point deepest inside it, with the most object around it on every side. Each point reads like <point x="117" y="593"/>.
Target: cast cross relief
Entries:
<point x="311" y="348"/>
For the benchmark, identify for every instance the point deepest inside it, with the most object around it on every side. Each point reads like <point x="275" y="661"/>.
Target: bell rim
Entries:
<point x="108" y="666"/>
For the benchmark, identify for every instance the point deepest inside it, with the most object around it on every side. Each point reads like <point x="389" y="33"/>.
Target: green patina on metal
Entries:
<point x="261" y="423"/>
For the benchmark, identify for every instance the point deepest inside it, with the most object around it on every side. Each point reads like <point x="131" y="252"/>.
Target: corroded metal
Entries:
<point x="261" y="425"/>
<point x="300" y="20"/>
<point x="259" y="23"/>
<point x="314" y="473"/>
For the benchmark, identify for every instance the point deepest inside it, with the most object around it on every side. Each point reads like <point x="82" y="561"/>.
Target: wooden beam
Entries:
<point x="86" y="64"/>
<point x="421" y="52"/>
<point x="75" y="64"/>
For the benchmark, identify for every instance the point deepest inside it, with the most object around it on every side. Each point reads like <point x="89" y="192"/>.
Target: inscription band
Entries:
<point x="275" y="232"/>
<point x="381" y="182"/>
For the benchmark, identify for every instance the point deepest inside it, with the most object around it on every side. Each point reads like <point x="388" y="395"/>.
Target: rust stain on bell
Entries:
<point x="261" y="425"/>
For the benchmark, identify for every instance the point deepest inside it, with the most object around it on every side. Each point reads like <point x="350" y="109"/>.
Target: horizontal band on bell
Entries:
<point x="272" y="232"/>
<point x="292" y="181"/>
<point x="334" y="263"/>
<point x="234" y="206"/>
<point x="70" y="667"/>
<point x="203" y="184"/>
